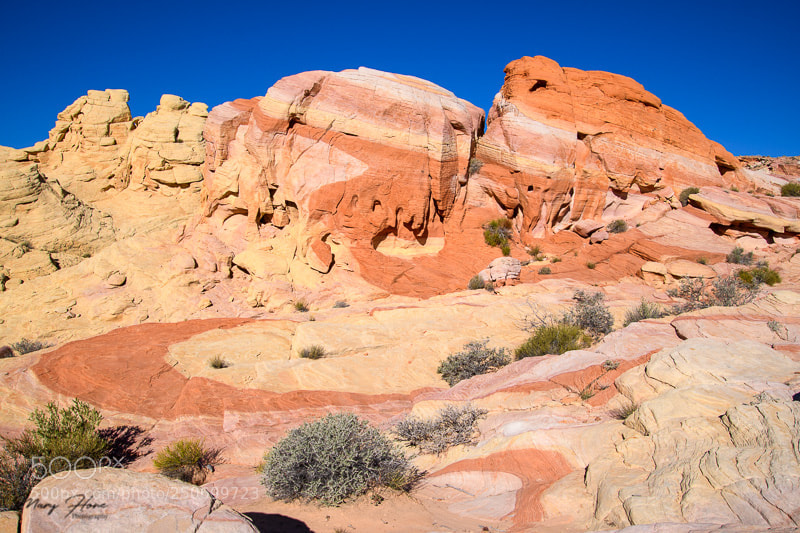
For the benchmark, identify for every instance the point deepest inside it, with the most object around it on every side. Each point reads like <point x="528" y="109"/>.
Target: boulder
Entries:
<point x="111" y="499"/>
<point x="503" y="269"/>
<point x="584" y="228"/>
<point x="599" y="236"/>
<point x="689" y="269"/>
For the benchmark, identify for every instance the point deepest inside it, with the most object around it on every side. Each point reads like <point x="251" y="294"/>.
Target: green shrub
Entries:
<point x="497" y="232"/>
<point x="301" y="306"/>
<point x="218" y="362"/>
<point x="332" y="459"/>
<point x="489" y="287"/>
<point x="340" y="304"/>
<point x="758" y="275"/>
<point x="188" y="460"/>
<point x="685" y="193"/>
<point x="553" y="339"/>
<point x="505" y="249"/>
<point x="545" y="270"/>
<point x="590" y="265"/>
<point x="643" y="311"/>
<point x="624" y="411"/>
<point x="24" y="346"/>
<point x="617" y="226"/>
<point x="703" y="260"/>
<point x="17" y="478"/>
<point x="450" y="427"/>
<point x="791" y="189"/>
<point x="313" y="352"/>
<point x="62" y="436"/>
<point x="738" y="257"/>
<point x="590" y="313"/>
<point x="474" y="359"/>
<point x="476" y="283"/>
<point x="534" y="251"/>
<point x="555" y="259"/>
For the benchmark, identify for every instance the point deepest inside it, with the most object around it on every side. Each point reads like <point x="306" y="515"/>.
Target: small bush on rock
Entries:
<point x="332" y="459"/>
<point x="758" y="275"/>
<point x="725" y="291"/>
<point x="617" y="226"/>
<point x="791" y="189"/>
<point x="738" y="257"/>
<point x="450" y="427"/>
<point x="24" y="346"/>
<point x="685" y="193"/>
<point x="62" y="438"/>
<point x="643" y="311"/>
<point x="217" y="362"/>
<point x="497" y="232"/>
<point x="301" y="306"/>
<point x="313" y="352"/>
<point x="476" y="283"/>
<point x="188" y="460"/>
<point x="474" y="359"/>
<point x="590" y="313"/>
<point x="553" y="339"/>
<point x="340" y="304"/>
<point x="545" y="270"/>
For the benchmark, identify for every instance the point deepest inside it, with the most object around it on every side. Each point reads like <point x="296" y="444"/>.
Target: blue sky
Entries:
<point x="733" y="68"/>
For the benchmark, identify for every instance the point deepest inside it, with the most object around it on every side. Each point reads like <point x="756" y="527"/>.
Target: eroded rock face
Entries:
<point x="562" y="145"/>
<point x="360" y="154"/>
<point x="119" y="500"/>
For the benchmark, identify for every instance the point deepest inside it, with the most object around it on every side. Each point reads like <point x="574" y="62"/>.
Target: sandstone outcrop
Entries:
<point x="359" y="155"/>
<point x="563" y="145"/>
<point x="118" y="500"/>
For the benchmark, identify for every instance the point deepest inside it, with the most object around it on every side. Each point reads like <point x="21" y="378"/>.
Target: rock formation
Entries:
<point x="113" y="499"/>
<point x="563" y="145"/>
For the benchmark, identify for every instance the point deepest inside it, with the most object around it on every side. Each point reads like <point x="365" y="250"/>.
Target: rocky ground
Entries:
<point x="141" y="248"/>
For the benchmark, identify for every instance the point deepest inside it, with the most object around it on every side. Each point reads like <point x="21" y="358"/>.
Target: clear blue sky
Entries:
<point x="733" y="68"/>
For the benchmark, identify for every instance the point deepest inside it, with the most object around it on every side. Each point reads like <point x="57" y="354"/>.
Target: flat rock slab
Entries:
<point x="110" y="499"/>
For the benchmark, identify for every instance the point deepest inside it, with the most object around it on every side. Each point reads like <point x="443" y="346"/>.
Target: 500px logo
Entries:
<point x="60" y="467"/>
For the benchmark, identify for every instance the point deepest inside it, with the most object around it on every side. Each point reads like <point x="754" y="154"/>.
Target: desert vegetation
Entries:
<point x="683" y="197"/>
<point x="313" y="352"/>
<point x="643" y="311"/>
<point x="474" y="359"/>
<point x="217" y="362"/>
<point x="790" y="189"/>
<point x="617" y="226"/>
<point x="739" y="257"/>
<point x="450" y="426"/>
<point x="497" y="233"/>
<point x="24" y="346"/>
<point x="333" y="459"/>
<point x="188" y="460"/>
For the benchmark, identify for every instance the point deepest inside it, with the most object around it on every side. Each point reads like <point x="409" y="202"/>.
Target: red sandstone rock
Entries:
<point x="563" y="145"/>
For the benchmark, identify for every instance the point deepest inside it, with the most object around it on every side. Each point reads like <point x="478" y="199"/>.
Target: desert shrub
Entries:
<point x="685" y="193"/>
<point x="218" y="362"/>
<point x="702" y="260"/>
<point x="643" y="311"/>
<point x="590" y="265"/>
<point x="624" y="411"/>
<point x="489" y="287"/>
<point x="545" y="270"/>
<point x="590" y="313"/>
<point x="553" y="339"/>
<point x="450" y="427"/>
<point x="474" y="359"/>
<point x="497" y="232"/>
<point x="725" y="291"/>
<point x="617" y="226"/>
<point x="476" y="282"/>
<point x="505" y="249"/>
<point x="475" y="165"/>
<point x="24" y="346"/>
<point x="332" y="459"/>
<point x="555" y="259"/>
<point x="535" y="251"/>
<point x="791" y="189"/>
<point x="758" y="275"/>
<point x="340" y="304"/>
<point x="301" y="306"/>
<point x="61" y="437"/>
<point x="313" y="352"/>
<point x="188" y="460"/>
<point x="17" y="478"/>
<point x="738" y="257"/>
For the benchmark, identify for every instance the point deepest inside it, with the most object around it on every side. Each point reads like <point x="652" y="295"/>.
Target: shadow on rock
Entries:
<point x="126" y="443"/>
<point x="277" y="523"/>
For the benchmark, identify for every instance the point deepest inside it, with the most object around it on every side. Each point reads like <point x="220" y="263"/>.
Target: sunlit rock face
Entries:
<point x="563" y="144"/>
<point x="361" y="154"/>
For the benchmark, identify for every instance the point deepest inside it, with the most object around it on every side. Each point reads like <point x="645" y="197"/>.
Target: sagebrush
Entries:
<point x="739" y="257"/>
<point x="312" y="352"/>
<point x="497" y="232"/>
<point x="24" y="346"/>
<point x="725" y="291"/>
<point x="553" y="339"/>
<point x="790" y="189"/>
<point x="590" y="313"/>
<point x="683" y="197"/>
<point x="332" y="459"/>
<point x="476" y="282"/>
<point x="474" y="359"/>
<point x="451" y="426"/>
<point x="617" y="226"/>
